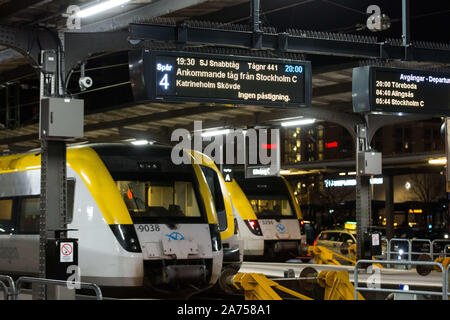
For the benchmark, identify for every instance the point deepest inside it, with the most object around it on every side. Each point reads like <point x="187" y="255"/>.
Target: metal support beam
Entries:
<point x="53" y="199"/>
<point x="389" y="207"/>
<point x="79" y="46"/>
<point x="11" y="8"/>
<point x="25" y="41"/>
<point x="406" y="28"/>
<point x="255" y="7"/>
<point x="346" y="120"/>
<point x="296" y="41"/>
<point x="376" y="122"/>
<point x="363" y="194"/>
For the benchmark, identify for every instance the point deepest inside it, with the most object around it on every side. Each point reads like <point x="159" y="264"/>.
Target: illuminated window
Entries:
<point x="321" y="146"/>
<point x="159" y="199"/>
<point x="321" y="132"/>
<point x="5" y="216"/>
<point x="29" y="215"/>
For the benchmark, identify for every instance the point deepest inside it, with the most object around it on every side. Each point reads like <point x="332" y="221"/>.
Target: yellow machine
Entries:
<point x="337" y="284"/>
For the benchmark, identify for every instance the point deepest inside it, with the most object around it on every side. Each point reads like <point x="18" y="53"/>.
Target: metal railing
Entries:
<point x="61" y="283"/>
<point x="432" y="253"/>
<point x="446" y="278"/>
<point x="444" y="293"/>
<point x="8" y="292"/>
<point x="410" y="253"/>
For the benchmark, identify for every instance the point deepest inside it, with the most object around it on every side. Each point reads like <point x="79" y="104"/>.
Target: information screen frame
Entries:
<point x="364" y="92"/>
<point x="145" y="87"/>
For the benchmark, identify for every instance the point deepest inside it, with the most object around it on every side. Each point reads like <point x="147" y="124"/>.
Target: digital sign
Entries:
<point x="191" y="77"/>
<point x="393" y="90"/>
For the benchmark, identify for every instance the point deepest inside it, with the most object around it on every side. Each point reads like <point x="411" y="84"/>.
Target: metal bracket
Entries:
<point x="181" y="37"/>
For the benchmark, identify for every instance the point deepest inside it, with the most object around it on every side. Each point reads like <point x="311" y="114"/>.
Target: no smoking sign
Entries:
<point x="66" y="252"/>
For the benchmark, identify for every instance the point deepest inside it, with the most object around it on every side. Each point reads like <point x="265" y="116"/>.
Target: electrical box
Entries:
<point x="61" y="118"/>
<point x="369" y="163"/>
<point x="49" y="62"/>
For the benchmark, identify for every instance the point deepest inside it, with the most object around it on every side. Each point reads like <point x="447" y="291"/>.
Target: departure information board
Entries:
<point x="191" y="77"/>
<point x="392" y="90"/>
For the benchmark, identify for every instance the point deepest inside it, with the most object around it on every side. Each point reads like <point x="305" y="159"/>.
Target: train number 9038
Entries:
<point x="148" y="228"/>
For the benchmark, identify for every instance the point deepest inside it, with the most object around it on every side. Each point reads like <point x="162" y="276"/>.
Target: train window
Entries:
<point x="216" y="191"/>
<point x="29" y="215"/>
<point x="270" y="206"/>
<point x="5" y="216"/>
<point x="159" y="199"/>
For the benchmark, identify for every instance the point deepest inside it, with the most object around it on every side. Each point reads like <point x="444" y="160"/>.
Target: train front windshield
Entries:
<point x="270" y="206"/>
<point x="159" y="199"/>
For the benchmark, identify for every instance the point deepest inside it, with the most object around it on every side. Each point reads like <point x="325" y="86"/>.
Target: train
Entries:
<point x="279" y="218"/>
<point x="250" y="234"/>
<point x="140" y="220"/>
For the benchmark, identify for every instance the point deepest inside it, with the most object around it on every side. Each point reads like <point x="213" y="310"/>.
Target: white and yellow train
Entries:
<point x="140" y="219"/>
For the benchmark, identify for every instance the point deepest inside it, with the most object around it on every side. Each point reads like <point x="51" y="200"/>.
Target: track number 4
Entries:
<point x="165" y="82"/>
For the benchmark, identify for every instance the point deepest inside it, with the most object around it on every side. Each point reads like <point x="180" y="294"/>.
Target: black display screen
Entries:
<point x="395" y="90"/>
<point x="227" y="79"/>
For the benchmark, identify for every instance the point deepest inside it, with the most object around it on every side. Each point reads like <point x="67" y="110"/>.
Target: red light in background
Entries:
<point x="129" y="194"/>
<point x="269" y="146"/>
<point x="333" y="144"/>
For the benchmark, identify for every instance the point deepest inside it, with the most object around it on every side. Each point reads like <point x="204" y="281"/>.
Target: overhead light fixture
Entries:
<point x="213" y="133"/>
<point x="438" y="161"/>
<point x="300" y="122"/>
<point x="140" y="142"/>
<point x="285" y="171"/>
<point x="101" y="7"/>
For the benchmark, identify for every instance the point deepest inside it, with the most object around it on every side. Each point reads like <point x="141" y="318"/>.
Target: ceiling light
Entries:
<point x="438" y="161"/>
<point x="300" y="122"/>
<point x="101" y="7"/>
<point x="140" y="142"/>
<point x="215" y="133"/>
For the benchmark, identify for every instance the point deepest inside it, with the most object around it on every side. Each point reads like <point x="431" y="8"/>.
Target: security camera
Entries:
<point x="85" y="83"/>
